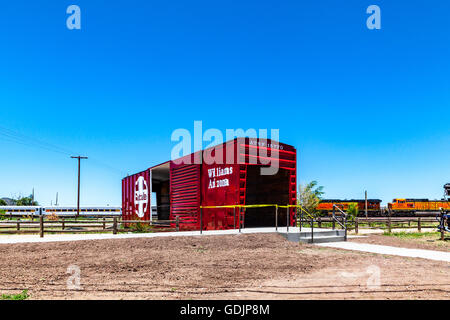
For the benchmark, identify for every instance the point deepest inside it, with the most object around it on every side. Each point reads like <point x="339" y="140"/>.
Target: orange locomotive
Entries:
<point x="325" y="206"/>
<point x="417" y="206"/>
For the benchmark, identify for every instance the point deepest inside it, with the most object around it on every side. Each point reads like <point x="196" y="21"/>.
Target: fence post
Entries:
<point x="356" y="225"/>
<point x="276" y="217"/>
<point x="287" y="218"/>
<point x="389" y="224"/>
<point x="234" y="218"/>
<point x="312" y="230"/>
<point x="41" y="226"/>
<point x="177" y="223"/>
<point x="115" y="225"/>
<point x="104" y="224"/>
<point x="239" y="219"/>
<point x="419" y="224"/>
<point x="345" y="228"/>
<point x="18" y="224"/>
<point x="319" y="222"/>
<point x="63" y="224"/>
<point x="301" y="219"/>
<point x="201" y="220"/>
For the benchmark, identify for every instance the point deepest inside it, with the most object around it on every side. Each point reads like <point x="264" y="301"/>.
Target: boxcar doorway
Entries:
<point x="160" y="188"/>
<point x="266" y="189"/>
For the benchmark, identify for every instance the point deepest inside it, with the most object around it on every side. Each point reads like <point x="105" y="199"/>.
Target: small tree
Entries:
<point x="26" y="201"/>
<point x="2" y="212"/>
<point x="352" y="211"/>
<point x="309" y="196"/>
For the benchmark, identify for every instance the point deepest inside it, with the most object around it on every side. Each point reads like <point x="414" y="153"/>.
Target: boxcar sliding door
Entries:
<point x="185" y="194"/>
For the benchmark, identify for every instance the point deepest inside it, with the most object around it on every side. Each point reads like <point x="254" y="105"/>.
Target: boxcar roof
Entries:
<point x="246" y="140"/>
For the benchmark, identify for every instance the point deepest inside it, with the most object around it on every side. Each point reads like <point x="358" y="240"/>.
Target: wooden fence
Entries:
<point x="43" y="224"/>
<point x="71" y="225"/>
<point x="387" y="223"/>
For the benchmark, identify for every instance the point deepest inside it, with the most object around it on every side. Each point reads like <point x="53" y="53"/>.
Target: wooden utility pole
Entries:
<point x="79" y="165"/>
<point x="41" y="226"/>
<point x="365" y="206"/>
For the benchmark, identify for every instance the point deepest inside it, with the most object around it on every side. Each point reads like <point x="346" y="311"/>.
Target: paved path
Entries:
<point x="8" y="239"/>
<point x="396" y="251"/>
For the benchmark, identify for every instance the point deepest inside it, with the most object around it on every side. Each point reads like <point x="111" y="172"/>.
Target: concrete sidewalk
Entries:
<point x="9" y="239"/>
<point x="396" y="251"/>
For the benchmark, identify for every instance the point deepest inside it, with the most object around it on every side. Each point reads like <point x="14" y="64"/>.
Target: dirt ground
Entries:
<point x="428" y="242"/>
<point x="251" y="266"/>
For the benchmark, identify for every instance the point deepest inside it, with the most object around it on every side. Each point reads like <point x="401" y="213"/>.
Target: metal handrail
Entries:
<point x="304" y="210"/>
<point x="243" y="206"/>
<point x="336" y="219"/>
<point x="309" y="215"/>
<point x="343" y="225"/>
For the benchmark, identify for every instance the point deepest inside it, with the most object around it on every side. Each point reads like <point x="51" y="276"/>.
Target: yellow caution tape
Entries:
<point x="258" y="206"/>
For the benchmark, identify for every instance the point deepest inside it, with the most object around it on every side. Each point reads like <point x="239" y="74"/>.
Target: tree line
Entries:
<point x="21" y="201"/>
<point x="309" y="197"/>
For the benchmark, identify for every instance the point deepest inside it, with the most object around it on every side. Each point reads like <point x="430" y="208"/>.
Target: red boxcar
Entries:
<point x="227" y="174"/>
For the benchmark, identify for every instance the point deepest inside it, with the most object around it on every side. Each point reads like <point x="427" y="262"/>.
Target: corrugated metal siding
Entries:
<point x="129" y="191"/>
<point x="185" y="194"/>
<point x="293" y="193"/>
<point x="250" y="154"/>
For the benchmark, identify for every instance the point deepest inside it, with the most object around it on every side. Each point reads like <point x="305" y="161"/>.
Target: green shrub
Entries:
<point x="21" y="296"/>
<point x="140" y="227"/>
<point x="352" y="211"/>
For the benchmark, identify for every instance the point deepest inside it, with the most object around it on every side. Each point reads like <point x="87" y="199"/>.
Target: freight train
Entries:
<point x="374" y="209"/>
<point x="398" y="207"/>
<point x="60" y="211"/>
<point x="413" y="207"/>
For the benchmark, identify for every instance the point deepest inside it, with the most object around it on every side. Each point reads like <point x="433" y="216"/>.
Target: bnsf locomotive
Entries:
<point x="398" y="206"/>
<point x="325" y="206"/>
<point x="412" y="207"/>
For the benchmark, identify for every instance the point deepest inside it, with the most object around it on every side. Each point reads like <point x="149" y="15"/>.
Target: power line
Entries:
<point x="19" y="138"/>
<point x="31" y="141"/>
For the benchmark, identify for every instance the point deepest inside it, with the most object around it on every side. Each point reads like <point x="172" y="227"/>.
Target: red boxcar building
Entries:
<point x="227" y="174"/>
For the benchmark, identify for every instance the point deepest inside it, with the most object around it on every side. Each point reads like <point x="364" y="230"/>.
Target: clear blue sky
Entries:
<point x="366" y="109"/>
